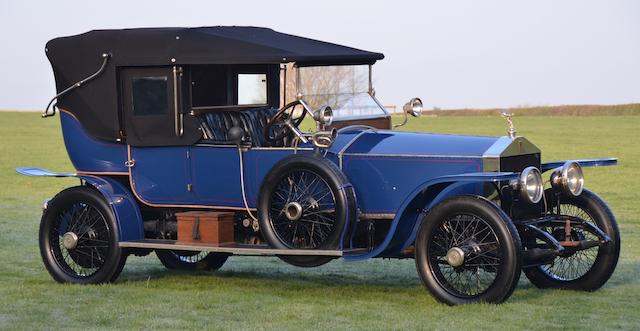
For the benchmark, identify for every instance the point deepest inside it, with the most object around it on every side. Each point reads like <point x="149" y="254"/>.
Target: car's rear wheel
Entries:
<point x="586" y="269"/>
<point x="188" y="260"/>
<point x="79" y="238"/>
<point x="305" y="203"/>
<point x="468" y="250"/>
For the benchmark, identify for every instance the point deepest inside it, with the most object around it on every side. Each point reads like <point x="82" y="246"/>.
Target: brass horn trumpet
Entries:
<point x="324" y="139"/>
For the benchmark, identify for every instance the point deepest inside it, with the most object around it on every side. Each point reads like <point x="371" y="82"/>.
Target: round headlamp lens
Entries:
<point x="324" y="115"/>
<point x="416" y="107"/>
<point x="413" y="107"/>
<point x="572" y="178"/>
<point x="531" y="184"/>
<point x="328" y="115"/>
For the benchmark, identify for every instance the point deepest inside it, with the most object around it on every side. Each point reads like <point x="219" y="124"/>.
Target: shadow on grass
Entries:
<point x="339" y="278"/>
<point x="281" y="273"/>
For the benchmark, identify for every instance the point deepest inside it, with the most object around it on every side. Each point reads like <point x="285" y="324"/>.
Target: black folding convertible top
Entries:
<point x="96" y="103"/>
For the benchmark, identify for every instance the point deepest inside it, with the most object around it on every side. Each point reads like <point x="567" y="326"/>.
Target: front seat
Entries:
<point x="216" y="126"/>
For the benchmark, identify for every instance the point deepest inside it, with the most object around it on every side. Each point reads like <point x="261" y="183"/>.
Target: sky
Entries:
<point x="452" y="54"/>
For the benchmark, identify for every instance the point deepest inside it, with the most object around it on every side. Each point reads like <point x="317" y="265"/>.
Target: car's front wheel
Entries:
<point x="468" y="250"/>
<point x="586" y="269"/>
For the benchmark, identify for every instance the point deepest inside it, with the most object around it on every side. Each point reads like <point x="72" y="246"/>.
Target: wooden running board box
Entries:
<point x="205" y="227"/>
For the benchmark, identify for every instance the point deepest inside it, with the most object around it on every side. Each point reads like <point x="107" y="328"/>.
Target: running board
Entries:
<point x="234" y="249"/>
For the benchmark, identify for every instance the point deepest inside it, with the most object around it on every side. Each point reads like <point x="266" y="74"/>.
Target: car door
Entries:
<point x="158" y="133"/>
<point x="154" y="107"/>
<point x="216" y="173"/>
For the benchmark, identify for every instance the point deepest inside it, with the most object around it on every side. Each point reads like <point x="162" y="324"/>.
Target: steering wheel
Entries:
<point x="282" y="123"/>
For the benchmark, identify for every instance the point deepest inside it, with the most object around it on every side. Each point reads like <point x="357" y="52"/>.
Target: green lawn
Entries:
<point x="264" y="293"/>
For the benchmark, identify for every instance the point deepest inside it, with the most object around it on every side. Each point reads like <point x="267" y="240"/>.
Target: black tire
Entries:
<point x="491" y="246"/>
<point x="594" y="266"/>
<point x="187" y="260"/>
<point x="332" y="221"/>
<point x="121" y="264"/>
<point x="96" y="258"/>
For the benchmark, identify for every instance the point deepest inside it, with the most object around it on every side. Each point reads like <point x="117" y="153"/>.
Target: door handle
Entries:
<point x="179" y="127"/>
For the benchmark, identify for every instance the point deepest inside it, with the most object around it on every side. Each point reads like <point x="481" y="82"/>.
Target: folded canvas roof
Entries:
<point x="95" y="104"/>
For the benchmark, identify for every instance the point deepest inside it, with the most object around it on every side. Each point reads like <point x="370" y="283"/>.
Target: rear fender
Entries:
<point x="423" y="198"/>
<point x="123" y="204"/>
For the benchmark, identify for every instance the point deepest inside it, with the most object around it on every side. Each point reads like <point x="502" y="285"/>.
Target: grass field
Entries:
<point x="264" y="293"/>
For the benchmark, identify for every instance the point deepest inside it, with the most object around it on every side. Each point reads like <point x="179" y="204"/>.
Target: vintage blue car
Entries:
<point x="162" y="121"/>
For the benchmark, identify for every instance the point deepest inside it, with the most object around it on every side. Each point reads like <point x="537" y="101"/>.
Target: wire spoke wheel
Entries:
<point x="586" y="269"/>
<point x="576" y="264"/>
<point x="80" y="240"/>
<point x="479" y="244"/>
<point x="306" y="202"/>
<point x="191" y="260"/>
<point x="302" y="210"/>
<point x="468" y="250"/>
<point x="190" y="257"/>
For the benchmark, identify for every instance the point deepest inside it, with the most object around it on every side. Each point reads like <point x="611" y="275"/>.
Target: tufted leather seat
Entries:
<point x="216" y="125"/>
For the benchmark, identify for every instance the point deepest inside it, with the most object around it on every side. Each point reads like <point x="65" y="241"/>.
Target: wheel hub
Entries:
<point x="70" y="240"/>
<point x="313" y="203"/>
<point x="293" y="211"/>
<point x="455" y="257"/>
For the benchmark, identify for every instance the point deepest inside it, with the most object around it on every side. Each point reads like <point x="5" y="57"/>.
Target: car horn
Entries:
<point x="413" y="107"/>
<point x="324" y="139"/>
<point x="324" y="117"/>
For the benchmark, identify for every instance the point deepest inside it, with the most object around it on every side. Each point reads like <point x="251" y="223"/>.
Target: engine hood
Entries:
<point x="397" y="143"/>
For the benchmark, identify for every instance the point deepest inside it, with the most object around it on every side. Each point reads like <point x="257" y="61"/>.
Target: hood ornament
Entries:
<point x="512" y="130"/>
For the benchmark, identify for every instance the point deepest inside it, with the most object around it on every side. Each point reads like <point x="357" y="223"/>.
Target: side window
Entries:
<point x="252" y="89"/>
<point x="210" y="86"/>
<point x="237" y="86"/>
<point x="153" y="111"/>
<point x="150" y="96"/>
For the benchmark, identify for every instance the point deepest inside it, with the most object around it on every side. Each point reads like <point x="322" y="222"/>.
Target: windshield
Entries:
<point x="343" y="88"/>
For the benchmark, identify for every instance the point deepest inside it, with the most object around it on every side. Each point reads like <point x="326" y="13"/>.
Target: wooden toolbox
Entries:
<point x="205" y="227"/>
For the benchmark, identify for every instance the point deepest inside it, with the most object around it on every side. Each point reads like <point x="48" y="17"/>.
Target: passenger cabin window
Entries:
<point x="231" y="87"/>
<point x="252" y="89"/>
<point x="154" y="107"/>
<point x="150" y="96"/>
<point x="209" y="86"/>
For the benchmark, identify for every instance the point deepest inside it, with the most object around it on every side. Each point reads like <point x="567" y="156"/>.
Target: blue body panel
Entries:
<point x="212" y="173"/>
<point x="382" y="183"/>
<point x="395" y="174"/>
<point x="124" y="206"/>
<point x="88" y="154"/>
<point x="385" y="166"/>
<point x="405" y="224"/>
<point x="412" y="143"/>
<point x="122" y="202"/>
<point x="160" y="174"/>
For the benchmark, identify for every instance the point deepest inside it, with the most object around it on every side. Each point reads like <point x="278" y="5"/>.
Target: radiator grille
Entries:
<point x="517" y="163"/>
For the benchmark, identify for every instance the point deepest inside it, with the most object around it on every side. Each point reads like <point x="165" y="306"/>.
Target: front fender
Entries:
<point x="424" y="197"/>
<point x="123" y="204"/>
<point x="583" y="163"/>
